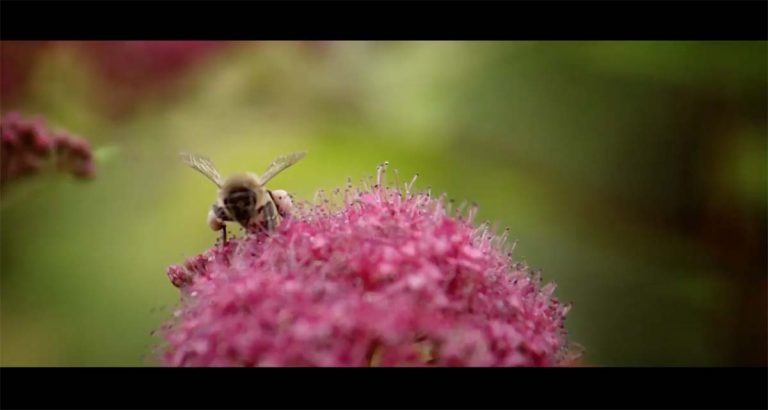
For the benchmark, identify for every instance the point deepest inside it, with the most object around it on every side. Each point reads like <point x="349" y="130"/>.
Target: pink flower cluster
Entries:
<point x="388" y="278"/>
<point x="28" y="145"/>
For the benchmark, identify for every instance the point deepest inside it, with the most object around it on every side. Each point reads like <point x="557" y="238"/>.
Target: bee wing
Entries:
<point x="203" y="165"/>
<point x="280" y="164"/>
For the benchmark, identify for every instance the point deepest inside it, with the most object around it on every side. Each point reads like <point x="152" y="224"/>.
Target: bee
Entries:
<point x="243" y="197"/>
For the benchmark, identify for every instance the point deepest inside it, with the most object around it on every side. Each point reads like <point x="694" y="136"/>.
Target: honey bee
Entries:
<point x="243" y="197"/>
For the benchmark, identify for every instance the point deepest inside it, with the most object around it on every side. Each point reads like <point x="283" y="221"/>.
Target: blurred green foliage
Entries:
<point x="632" y="173"/>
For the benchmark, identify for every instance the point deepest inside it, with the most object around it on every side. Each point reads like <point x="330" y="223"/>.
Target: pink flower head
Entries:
<point x="388" y="278"/>
<point x="28" y="145"/>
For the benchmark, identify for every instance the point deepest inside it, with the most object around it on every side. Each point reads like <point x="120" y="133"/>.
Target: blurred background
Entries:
<point x="633" y="174"/>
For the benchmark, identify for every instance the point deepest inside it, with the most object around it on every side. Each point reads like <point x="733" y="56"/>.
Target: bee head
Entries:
<point x="239" y="195"/>
<point x="241" y="204"/>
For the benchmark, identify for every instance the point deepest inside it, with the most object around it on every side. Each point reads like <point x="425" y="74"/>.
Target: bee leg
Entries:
<point x="270" y="216"/>
<point x="217" y="221"/>
<point x="283" y="201"/>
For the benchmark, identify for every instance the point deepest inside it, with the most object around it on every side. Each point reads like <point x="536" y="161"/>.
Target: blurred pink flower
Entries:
<point x="28" y="145"/>
<point x="17" y="61"/>
<point x="146" y="63"/>
<point x="133" y="70"/>
<point x="130" y="70"/>
<point x="387" y="279"/>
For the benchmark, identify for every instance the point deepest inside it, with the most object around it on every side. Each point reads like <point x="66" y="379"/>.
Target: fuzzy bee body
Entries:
<point x="243" y="198"/>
